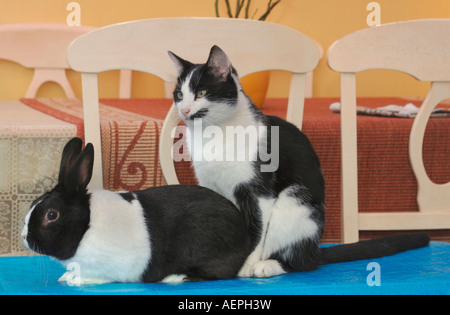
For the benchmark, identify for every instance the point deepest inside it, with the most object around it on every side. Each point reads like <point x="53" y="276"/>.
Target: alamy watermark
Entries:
<point x="73" y="274"/>
<point x="374" y="277"/>
<point x="74" y="17"/>
<point x="229" y="144"/>
<point x="374" y="17"/>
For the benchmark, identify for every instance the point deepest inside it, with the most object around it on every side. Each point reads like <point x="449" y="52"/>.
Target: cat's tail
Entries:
<point x="374" y="248"/>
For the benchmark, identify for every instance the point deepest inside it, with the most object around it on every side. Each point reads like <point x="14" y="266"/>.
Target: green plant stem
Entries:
<point x="247" y="8"/>
<point x="241" y="3"/>
<point x="229" y="8"/>
<point x="270" y="6"/>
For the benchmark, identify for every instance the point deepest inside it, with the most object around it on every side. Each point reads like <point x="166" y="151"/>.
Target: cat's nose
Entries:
<point x="185" y="111"/>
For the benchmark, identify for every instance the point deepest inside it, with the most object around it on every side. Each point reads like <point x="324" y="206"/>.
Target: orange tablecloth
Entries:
<point x="386" y="180"/>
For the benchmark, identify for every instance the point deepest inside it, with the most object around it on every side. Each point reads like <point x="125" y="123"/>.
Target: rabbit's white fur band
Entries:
<point x="116" y="226"/>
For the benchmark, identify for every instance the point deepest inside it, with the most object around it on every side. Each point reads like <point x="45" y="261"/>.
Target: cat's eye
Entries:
<point x="179" y="95"/>
<point x="201" y="93"/>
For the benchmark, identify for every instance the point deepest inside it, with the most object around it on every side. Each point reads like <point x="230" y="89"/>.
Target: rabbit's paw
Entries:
<point x="73" y="279"/>
<point x="175" y="278"/>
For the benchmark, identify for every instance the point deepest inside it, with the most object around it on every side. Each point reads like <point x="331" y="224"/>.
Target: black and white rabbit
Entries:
<point x="169" y="234"/>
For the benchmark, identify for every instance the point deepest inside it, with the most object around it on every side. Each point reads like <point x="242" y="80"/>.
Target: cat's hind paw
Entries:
<point x="266" y="268"/>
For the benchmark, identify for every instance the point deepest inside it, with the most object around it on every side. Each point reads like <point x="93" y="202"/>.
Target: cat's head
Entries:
<point x="208" y="91"/>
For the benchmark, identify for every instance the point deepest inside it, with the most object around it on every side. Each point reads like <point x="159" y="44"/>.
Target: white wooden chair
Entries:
<point x="142" y="45"/>
<point x="419" y="48"/>
<point x="43" y="47"/>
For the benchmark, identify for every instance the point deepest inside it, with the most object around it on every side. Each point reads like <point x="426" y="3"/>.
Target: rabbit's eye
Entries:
<point x="52" y="215"/>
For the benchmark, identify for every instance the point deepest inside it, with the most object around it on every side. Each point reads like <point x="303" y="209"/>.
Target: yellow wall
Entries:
<point x="323" y="20"/>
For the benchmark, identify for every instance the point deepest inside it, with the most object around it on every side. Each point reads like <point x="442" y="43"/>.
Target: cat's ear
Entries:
<point x="219" y="63"/>
<point x="180" y="63"/>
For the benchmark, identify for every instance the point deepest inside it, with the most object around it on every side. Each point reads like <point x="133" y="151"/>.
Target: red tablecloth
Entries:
<point x="386" y="180"/>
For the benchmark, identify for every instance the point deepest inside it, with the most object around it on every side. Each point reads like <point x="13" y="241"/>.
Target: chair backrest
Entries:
<point x="419" y="48"/>
<point x="309" y="91"/>
<point x="142" y="45"/>
<point x="43" y="47"/>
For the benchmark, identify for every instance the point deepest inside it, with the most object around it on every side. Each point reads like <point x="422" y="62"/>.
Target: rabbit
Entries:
<point x="172" y="233"/>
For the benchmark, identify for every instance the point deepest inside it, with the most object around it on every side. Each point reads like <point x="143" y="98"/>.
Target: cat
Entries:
<point x="284" y="206"/>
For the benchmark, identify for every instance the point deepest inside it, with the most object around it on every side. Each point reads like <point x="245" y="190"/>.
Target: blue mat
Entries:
<point x="420" y="271"/>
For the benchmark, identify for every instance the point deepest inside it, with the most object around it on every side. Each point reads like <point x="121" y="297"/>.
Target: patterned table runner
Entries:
<point x="129" y="142"/>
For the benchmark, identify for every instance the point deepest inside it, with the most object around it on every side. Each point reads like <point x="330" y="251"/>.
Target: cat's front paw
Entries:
<point x="266" y="268"/>
<point x="246" y="271"/>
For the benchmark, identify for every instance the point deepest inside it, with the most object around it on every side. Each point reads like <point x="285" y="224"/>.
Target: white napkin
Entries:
<point x="408" y="111"/>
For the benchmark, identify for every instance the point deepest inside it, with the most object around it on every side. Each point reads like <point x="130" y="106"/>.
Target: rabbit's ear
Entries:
<point x="80" y="172"/>
<point x="70" y="153"/>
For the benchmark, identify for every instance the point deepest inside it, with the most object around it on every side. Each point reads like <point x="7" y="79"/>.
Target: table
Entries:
<point x="30" y="144"/>
<point x="130" y="134"/>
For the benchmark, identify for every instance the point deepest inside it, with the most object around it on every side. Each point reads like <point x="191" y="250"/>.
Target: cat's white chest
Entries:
<point x="223" y="177"/>
<point x="217" y="172"/>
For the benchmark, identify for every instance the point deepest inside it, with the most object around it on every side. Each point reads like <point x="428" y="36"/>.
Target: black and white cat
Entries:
<point x="284" y="205"/>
